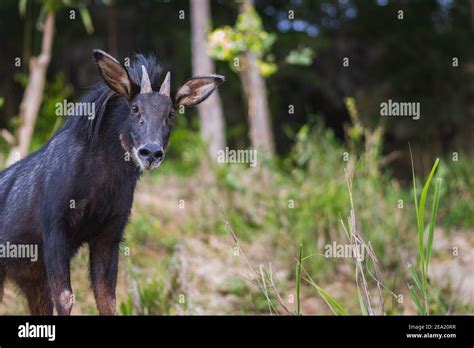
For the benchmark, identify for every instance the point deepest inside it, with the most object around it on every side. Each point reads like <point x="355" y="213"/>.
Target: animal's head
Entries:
<point x="150" y="113"/>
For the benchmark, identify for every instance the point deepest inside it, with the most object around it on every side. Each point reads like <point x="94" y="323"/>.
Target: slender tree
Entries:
<point x="210" y="111"/>
<point x="33" y="96"/>
<point x="38" y="67"/>
<point x="256" y="92"/>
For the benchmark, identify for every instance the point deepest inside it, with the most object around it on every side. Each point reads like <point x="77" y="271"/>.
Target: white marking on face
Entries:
<point x="155" y="165"/>
<point x="137" y="159"/>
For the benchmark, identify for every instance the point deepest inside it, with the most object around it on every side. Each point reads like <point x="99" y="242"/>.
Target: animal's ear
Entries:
<point x="197" y="89"/>
<point x="115" y="75"/>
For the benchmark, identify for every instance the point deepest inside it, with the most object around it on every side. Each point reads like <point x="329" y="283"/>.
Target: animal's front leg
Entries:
<point x="104" y="254"/>
<point x="57" y="257"/>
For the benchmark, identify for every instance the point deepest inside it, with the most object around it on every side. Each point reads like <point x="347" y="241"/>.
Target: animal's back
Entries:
<point x="22" y="192"/>
<point x="17" y="196"/>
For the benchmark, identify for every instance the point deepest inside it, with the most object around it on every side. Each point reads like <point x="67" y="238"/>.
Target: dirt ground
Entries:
<point x="210" y="268"/>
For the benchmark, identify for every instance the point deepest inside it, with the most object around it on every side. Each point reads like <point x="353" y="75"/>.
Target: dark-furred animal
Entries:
<point x="78" y="188"/>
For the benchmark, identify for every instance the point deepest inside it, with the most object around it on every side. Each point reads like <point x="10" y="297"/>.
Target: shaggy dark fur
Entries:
<point x="78" y="188"/>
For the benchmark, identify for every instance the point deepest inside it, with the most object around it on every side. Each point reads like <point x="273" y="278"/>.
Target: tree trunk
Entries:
<point x="258" y="111"/>
<point x="255" y="90"/>
<point x="210" y="111"/>
<point x="112" y="30"/>
<point x="33" y="96"/>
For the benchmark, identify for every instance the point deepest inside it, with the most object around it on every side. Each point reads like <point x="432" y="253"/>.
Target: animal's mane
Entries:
<point x="104" y="98"/>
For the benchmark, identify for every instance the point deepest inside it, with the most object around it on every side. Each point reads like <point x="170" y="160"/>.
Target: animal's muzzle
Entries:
<point x="151" y="154"/>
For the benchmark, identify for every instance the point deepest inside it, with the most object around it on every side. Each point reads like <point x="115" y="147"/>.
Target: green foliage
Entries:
<point x="335" y="307"/>
<point x="81" y="5"/>
<point x="313" y="176"/>
<point x="86" y="19"/>
<point x="248" y="35"/>
<point x="356" y="131"/>
<point x="186" y="149"/>
<point x="56" y="91"/>
<point x="47" y="5"/>
<point x="149" y="299"/>
<point x="55" y="5"/>
<point x="420" y="293"/>
<point x="298" y="280"/>
<point x="458" y="191"/>
<point x="149" y="296"/>
<point x="302" y="56"/>
<point x="147" y="229"/>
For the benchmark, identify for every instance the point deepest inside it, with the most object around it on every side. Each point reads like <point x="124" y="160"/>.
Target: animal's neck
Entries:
<point x="120" y="157"/>
<point x="101" y="139"/>
<point x="112" y="151"/>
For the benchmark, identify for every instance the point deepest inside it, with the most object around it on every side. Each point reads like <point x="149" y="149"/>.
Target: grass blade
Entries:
<point x="418" y="220"/>
<point x="415" y="299"/>
<point x="424" y="193"/>
<point x="434" y="212"/>
<point x="363" y="308"/>
<point x="333" y="305"/>
<point x="415" y="278"/>
<point x="421" y="212"/>
<point x="298" y="281"/>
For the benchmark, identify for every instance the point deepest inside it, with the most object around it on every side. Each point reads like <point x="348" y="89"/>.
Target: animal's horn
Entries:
<point x="166" y="86"/>
<point x="146" y="85"/>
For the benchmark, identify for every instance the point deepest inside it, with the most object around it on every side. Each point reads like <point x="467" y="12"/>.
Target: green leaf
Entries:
<point x="298" y="281"/>
<point x="333" y="305"/>
<point x="415" y="278"/>
<point x="359" y="295"/>
<point x="303" y="57"/>
<point x="434" y="212"/>
<point x="421" y="224"/>
<point x="52" y="5"/>
<point x="420" y="231"/>
<point x="415" y="299"/>
<point x="22" y="7"/>
<point x="424" y="192"/>
<point x="86" y="19"/>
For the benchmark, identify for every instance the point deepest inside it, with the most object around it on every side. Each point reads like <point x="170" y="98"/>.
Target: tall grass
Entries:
<point x="298" y="280"/>
<point x="419" y="276"/>
<point x="313" y="176"/>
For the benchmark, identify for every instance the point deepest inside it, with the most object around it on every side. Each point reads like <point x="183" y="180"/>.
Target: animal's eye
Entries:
<point x="135" y="108"/>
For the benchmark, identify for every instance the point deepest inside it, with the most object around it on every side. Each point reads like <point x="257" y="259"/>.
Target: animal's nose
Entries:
<point x="151" y="153"/>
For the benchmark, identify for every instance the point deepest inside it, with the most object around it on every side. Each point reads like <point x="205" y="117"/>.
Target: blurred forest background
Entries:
<point x="304" y="84"/>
